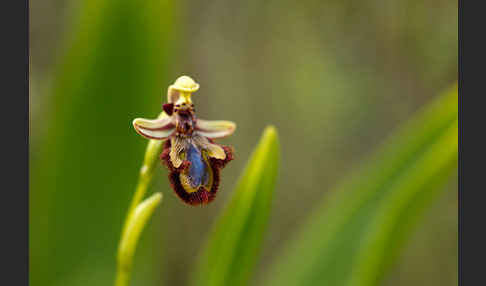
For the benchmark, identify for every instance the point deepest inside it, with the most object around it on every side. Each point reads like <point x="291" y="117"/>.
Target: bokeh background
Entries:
<point x="334" y="77"/>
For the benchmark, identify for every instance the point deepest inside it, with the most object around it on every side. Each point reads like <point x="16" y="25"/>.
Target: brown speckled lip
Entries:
<point x="201" y="196"/>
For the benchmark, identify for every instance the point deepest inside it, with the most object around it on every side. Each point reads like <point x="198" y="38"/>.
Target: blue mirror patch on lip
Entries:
<point x="198" y="169"/>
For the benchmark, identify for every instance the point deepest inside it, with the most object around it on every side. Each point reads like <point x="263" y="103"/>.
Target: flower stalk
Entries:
<point x="138" y="213"/>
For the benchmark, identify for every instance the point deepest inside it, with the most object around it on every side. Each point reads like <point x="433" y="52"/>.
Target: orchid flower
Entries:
<point x="192" y="157"/>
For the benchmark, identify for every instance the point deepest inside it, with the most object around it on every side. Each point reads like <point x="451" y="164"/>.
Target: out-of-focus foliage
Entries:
<point x="83" y="169"/>
<point x="234" y="243"/>
<point x="355" y="234"/>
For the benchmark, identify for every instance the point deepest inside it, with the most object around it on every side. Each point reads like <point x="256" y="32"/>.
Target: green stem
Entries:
<point x="122" y="278"/>
<point x="154" y="148"/>
<point x="138" y="213"/>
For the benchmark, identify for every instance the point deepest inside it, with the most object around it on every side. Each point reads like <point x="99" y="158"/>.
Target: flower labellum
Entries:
<point x="190" y="154"/>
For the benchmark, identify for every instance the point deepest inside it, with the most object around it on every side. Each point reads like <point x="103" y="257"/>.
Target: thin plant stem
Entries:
<point x="122" y="277"/>
<point x="154" y="147"/>
<point x="138" y="213"/>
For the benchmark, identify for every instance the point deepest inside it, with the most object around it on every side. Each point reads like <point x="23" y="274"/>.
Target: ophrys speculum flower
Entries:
<point x="190" y="154"/>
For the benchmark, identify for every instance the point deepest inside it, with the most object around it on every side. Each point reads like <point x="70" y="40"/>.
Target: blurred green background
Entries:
<point x="334" y="77"/>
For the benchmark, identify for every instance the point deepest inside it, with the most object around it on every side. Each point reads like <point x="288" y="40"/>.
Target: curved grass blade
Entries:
<point x="396" y="216"/>
<point x="233" y="246"/>
<point x="326" y="249"/>
<point x="111" y="68"/>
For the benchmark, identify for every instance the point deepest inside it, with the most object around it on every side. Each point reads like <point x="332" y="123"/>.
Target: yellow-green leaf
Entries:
<point x="353" y="236"/>
<point x="234" y="243"/>
<point x="128" y="243"/>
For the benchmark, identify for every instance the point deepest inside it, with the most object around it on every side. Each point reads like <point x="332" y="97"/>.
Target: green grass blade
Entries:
<point x="233" y="246"/>
<point x="327" y="250"/>
<point x="398" y="213"/>
<point x="112" y="70"/>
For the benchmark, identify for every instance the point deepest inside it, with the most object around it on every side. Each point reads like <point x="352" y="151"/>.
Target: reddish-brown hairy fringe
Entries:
<point x="201" y="196"/>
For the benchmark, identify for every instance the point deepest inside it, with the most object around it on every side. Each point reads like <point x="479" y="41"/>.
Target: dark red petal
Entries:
<point x="168" y="108"/>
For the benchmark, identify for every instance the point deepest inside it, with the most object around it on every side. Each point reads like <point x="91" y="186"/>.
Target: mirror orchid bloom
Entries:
<point x="194" y="160"/>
